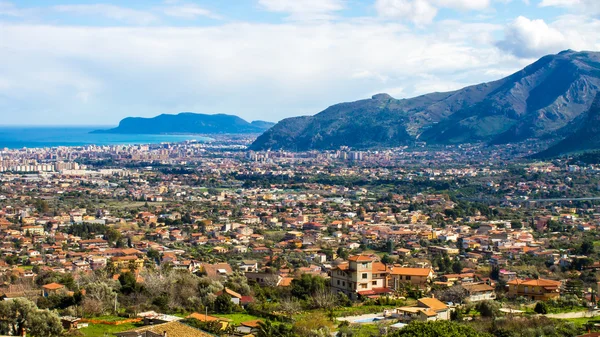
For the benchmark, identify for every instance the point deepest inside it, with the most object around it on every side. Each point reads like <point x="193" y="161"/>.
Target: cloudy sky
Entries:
<point x="87" y="62"/>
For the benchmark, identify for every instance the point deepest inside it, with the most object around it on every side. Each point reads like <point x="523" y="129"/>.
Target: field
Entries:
<point x="102" y="330"/>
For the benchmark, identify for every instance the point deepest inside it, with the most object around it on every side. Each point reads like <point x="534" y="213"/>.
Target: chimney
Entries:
<point x="164" y="334"/>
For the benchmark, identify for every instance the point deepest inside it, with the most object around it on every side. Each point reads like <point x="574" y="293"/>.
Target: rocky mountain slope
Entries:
<point x="547" y="98"/>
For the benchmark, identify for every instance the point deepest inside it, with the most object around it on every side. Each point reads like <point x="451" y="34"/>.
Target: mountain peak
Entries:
<point x="382" y="97"/>
<point x="548" y="98"/>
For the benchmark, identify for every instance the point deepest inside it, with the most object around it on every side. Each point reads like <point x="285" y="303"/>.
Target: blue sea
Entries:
<point x="15" y="137"/>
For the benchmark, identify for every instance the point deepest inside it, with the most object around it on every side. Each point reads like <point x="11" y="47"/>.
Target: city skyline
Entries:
<point x="93" y="63"/>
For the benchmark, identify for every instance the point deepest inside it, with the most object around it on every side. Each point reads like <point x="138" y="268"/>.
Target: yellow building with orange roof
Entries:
<point x="537" y="290"/>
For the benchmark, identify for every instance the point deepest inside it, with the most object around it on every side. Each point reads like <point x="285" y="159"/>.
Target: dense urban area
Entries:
<point x="208" y="238"/>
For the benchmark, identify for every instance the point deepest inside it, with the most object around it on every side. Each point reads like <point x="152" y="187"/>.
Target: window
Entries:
<point x="374" y="283"/>
<point x="363" y="285"/>
<point x="344" y="283"/>
<point x="365" y="265"/>
<point x="408" y="278"/>
<point x="365" y="275"/>
<point x="338" y="282"/>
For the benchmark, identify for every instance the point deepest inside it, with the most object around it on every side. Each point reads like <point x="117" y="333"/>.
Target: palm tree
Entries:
<point x="266" y="329"/>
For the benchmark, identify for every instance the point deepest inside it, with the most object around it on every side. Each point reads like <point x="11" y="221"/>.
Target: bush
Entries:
<point x="541" y="308"/>
<point x="437" y="328"/>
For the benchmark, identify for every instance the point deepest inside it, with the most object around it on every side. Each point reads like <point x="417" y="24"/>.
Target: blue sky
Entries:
<point x="95" y="62"/>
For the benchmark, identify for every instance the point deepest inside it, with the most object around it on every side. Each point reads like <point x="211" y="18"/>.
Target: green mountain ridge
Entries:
<point x="188" y="122"/>
<point x="546" y="98"/>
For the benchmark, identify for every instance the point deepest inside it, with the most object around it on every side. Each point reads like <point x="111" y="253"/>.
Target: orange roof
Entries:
<point x="538" y="282"/>
<point x="411" y="271"/>
<point x="204" y="318"/>
<point x="429" y="312"/>
<point x="476" y="288"/>
<point x="53" y="286"/>
<point x="360" y="258"/>
<point x="379" y="267"/>
<point x="251" y="324"/>
<point x="433" y="304"/>
<point x="230" y="293"/>
<point x="286" y="282"/>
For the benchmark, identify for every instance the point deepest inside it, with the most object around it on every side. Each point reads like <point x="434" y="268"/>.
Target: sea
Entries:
<point x="16" y="137"/>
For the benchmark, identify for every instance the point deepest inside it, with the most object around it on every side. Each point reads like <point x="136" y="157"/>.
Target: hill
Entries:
<point x="187" y="122"/>
<point x="586" y="136"/>
<point x="547" y="98"/>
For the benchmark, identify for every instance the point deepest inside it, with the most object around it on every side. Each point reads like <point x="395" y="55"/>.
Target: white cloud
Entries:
<point x="304" y="9"/>
<point x="422" y="12"/>
<point x="532" y="38"/>
<point x="582" y="6"/>
<point x="419" y="12"/>
<point x="110" y="11"/>
<point x="189" y="11"/>
<point x="9" y="9"/>
<point x="477" y="5"/>
<point x="258" y="71"/>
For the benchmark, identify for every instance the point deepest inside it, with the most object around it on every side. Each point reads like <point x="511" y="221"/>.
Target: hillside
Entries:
<point x="587" y="136"/>
<point x="546" y="98"/>
<point x="187" y="122"/>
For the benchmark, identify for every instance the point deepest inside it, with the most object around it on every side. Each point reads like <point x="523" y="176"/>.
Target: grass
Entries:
<point x="554" y="310"/>
<point x="101" y="330"/>
<point x="365" y="330"/>
<point x="109" y="318"/>
<point x="583" y="320"/>
<point x="236" y="319"/>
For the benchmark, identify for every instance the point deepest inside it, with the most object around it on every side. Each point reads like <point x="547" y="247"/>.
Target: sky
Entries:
<point x="76" y="62"/>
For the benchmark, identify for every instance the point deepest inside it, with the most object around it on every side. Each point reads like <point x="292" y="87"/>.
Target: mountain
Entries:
<point x="547" y="98"/>
<point x="188" y="122"/>
<point x="586" y="137"/>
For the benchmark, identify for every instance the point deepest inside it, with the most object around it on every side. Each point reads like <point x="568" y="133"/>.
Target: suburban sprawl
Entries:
<point x="209" y="238"/>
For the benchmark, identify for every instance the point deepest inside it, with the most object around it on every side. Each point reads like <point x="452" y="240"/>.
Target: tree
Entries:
<point x="386" y="259"/>
<point x="586" y="248"/>
<point x="516" y="224"/>
<point x="21" y="315"/>
<point x="128" y="283"/>
<point x="541" y="308"/>
<point x="437" y="328"/>
<point x="308" y="285"/>
<point x="488" y="308"/>
<point x="455" y="294"/>
<point x="223" y="304"/>
<point x="323" y="299"/>
<point x="154" y="255"/>
<point x="268" y="329"/>
<point x="457" y="267"/>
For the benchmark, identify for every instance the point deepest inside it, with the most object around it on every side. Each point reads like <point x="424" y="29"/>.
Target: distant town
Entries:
<point x="191" y="239"/>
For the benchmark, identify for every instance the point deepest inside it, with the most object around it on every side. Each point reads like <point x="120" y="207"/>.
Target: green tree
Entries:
<point x="21" y="315"/>
<point x="223" y="304"/>
<point x="586" y="248"/>
<point x="308" y="285"/>
<point x="541" y="308"/>
<point x="488" y="308"/>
